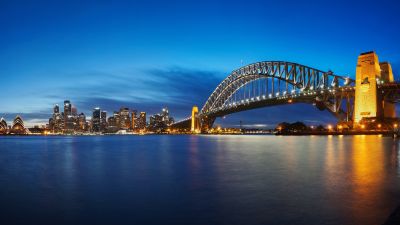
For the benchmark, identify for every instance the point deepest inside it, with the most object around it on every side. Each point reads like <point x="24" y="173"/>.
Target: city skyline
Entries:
<point x="176" y="58"/>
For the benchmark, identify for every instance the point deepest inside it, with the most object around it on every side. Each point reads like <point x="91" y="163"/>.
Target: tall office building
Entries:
<point x="96" y="120"/>
<point x="56" y="109"/>
<point x="67" y="108"/>
<point x="124" y="119"/>
<point x="82" y="122"/>
<point x="68" y="119"/>
<point x="133" y="119"/>
<point x="103" y="121"/>
<point x="142" y="121"/>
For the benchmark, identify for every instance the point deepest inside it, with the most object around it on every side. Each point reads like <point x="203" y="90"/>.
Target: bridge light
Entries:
<point x="242" y="101"/>
<point x="258" y="97"/>
<point x="263" y="96"/>
<point x="293" y="91"/>
<point x="270" y="95"/>
<point x="330" y="127"/>
<point x="290" y="101"/>
<point x="284" y="93"/>
<point x="277" y="94"/>
<point x="252" y="99"/>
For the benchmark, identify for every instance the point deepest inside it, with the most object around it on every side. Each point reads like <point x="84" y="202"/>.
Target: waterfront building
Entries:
<point x="82" y="124"/>
<point x="96" y="120"/>
<point x="124" y="119"/>
<point x="133" y="119"/>
<point x="56" y="109"/>
<point x="111" y="125"/>
<point x="56" y="122"/>
<point x="69" y="120"/>
<point x="67" y="108"/>
<point x="74" y="111"/>
<point x="103" y="121"/>
<point x="3" y="126"/>
<point x="18" y="126"/>
<point x="142" y="121"/>
<point x="117" y="119"/>
<point x="160" y="122"/>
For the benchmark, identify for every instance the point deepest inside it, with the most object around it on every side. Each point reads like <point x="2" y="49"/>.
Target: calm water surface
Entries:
<point x="198" y="180"/>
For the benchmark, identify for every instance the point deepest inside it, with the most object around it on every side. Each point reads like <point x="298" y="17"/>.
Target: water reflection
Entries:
<point x="202" y="179"/>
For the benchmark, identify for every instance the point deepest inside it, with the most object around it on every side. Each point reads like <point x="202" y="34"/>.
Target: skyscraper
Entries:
<point x="67" y="108"/>
<point x="68" y="119"/>
<point x="82" y="122"/>
<point x="124" y="122"/>
<point x="103" y="121"/>
<point x="142" y="121"/>
<point x="56" y="109"/>
<point x="96" y="119"/>
<point x="133" y="119"/>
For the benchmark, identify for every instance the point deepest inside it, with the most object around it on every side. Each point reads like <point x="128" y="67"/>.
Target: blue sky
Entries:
<point x="150" y="54"/>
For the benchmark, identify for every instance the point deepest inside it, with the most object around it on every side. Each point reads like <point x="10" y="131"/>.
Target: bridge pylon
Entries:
<point x="195" y="120"/>
<point x="369" y="104"/>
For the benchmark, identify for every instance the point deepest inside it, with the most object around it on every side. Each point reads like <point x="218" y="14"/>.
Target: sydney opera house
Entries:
<point x="16" y="128"/>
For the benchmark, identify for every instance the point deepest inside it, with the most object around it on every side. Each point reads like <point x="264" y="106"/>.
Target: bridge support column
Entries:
<point x="195" y="123"/>
<point x="366" y="99"/>
<point x="389" y="108"/>
<point x="369" y="103"/>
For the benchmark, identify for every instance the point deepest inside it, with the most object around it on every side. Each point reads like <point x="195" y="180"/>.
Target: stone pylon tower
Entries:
<point x="389" y="108"/>
<point x="195" y="126"/>
<point x="368" y="103"/>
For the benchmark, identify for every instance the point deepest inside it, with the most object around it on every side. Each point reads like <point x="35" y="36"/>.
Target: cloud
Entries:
<point x="29" y="119"/>
<point x="177" y="88"/>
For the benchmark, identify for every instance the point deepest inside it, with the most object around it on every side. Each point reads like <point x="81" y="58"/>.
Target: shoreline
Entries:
<point x="348" y="133"/>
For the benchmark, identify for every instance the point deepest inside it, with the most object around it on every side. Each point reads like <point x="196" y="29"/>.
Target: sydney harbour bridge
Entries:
<point x="370" y="98"/>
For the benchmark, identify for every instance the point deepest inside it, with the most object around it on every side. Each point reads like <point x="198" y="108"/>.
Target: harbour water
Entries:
<point x="239" y="179"/>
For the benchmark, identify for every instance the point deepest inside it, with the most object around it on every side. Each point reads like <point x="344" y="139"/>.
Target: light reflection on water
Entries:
<point x="198" y="179"/>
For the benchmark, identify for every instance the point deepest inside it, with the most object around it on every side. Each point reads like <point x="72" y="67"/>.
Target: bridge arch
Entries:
<point x="295" y="77"/>
<point x="271" y="83"/>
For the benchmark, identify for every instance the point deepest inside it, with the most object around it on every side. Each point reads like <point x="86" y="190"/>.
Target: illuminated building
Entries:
<point x="159" y="122"/>
<point x="103" y="121"/>
<point x="111" y="125"/>
<point x="82" y="124"/>
<point x="142" y="121"/>
<point x="69" y="123"/>
<point x="67" y="108"/>
<point x="74" y="111"/>
<point x="124" y="119"/>
<point x="96" y="120"/>
<point x="18" y="126"/>
<point x="56" y="109"/>
<point x="3" y="126"/>
<point x="133" y="119"/>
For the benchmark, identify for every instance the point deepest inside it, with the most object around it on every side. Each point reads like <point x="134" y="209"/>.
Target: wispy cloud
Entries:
<point x="142" y="89"/>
